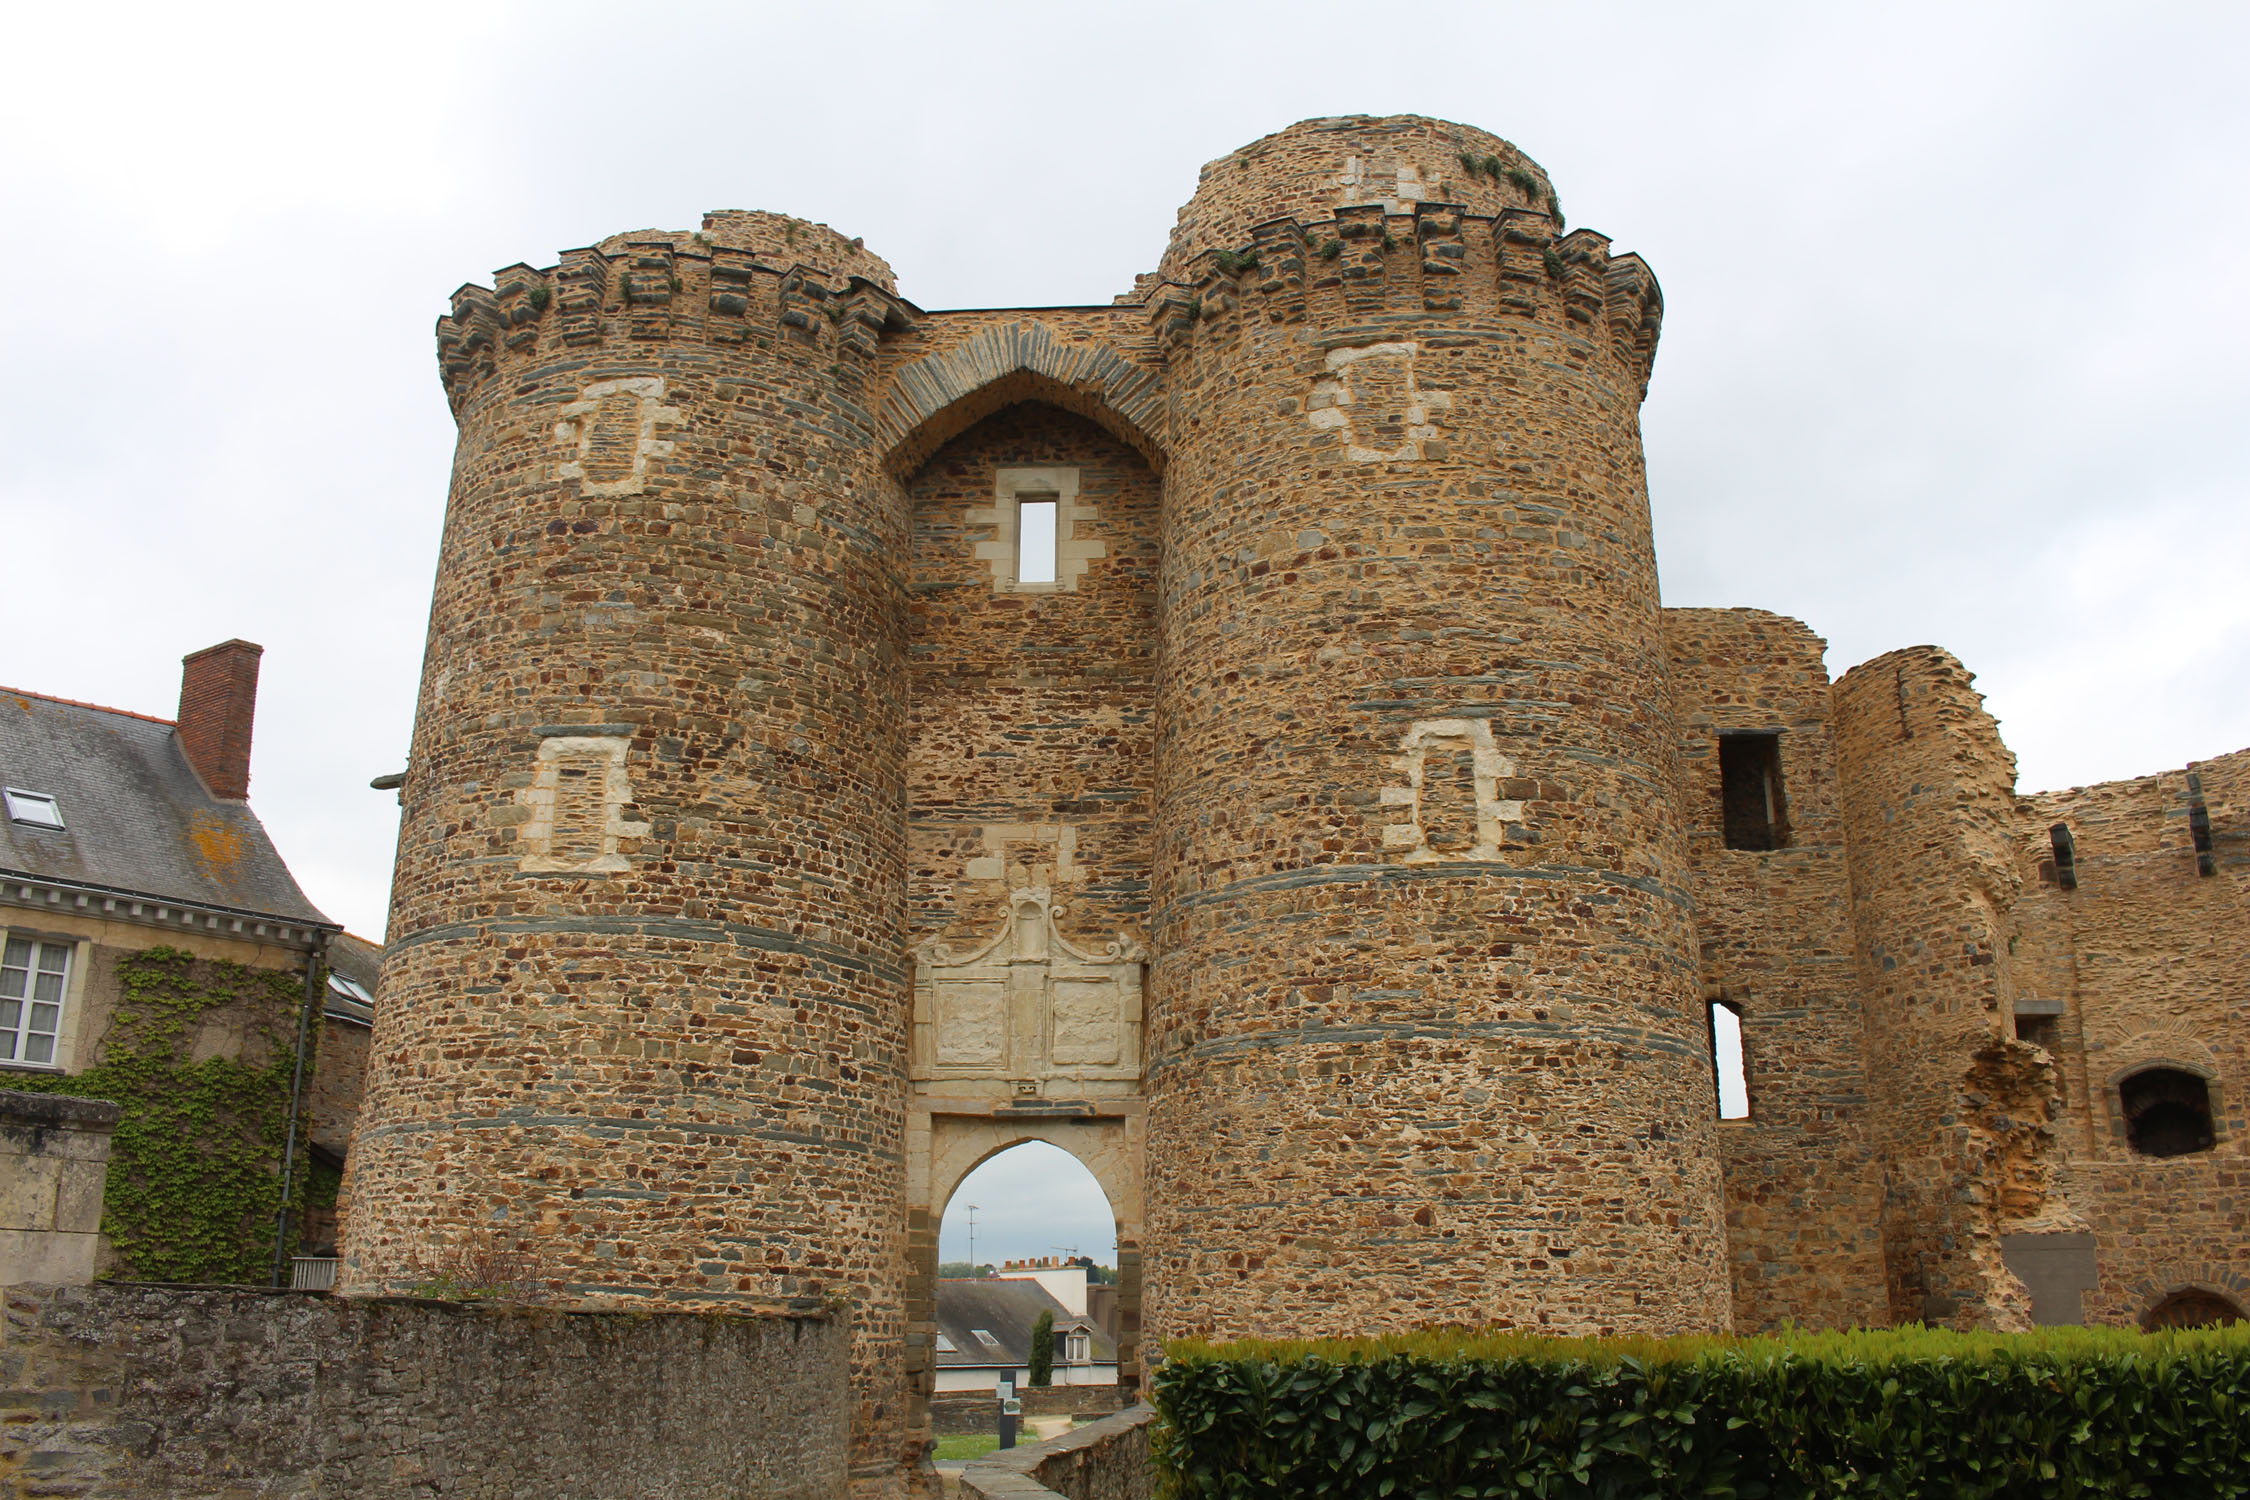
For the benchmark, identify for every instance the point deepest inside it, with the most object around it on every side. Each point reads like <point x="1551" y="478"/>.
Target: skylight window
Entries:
<point x="985" y="1336"/>
<point x="945" y="1345"/>
<point x="34" y="808"/>
<point x="350" y="989"/>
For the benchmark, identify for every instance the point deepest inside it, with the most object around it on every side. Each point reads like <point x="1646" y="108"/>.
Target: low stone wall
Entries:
<point x="54" y="1161"/>
<point x="1105" y="1461"/>
<point x="189" y="1393"/>
<point x="958" y="1412"/>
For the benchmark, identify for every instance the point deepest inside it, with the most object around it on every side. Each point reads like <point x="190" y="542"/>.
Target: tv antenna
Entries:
<point x="972" y="1239"/>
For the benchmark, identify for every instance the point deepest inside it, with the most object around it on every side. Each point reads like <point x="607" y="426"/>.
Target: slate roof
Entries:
<point x="1006" y="1310"/>
<point x="136" y="818"/>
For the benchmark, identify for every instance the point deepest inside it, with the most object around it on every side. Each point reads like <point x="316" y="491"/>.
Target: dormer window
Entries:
<point x="1079" y="1349"/>
<point x="35" y="809"/>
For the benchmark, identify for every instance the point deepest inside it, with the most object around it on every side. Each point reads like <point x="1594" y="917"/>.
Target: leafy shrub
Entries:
<point x="1905" y="1413"/>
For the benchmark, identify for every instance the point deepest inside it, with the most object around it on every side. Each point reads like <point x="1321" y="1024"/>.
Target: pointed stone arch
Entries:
<point x="935" y="398"/>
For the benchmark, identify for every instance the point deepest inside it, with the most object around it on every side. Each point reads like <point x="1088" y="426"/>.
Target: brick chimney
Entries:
<point x="218" y="699"/>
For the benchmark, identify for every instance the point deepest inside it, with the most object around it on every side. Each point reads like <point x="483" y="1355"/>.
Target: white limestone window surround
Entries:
<point x="1489" y="768"/>
<point x="611" y="428"/>
<point x="1075" y="545"/>
<point x="1048" y="850"/>
<point x="576" y="800"/>
<point x="40" y="980"/>
<point x="1364" y="388"/>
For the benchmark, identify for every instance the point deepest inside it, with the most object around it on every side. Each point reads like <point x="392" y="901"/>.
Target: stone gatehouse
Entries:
<point x="1233" y="733"/>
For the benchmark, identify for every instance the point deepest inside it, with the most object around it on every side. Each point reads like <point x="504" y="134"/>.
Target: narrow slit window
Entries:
<point x="34" y="978"/>
<point x="1757" y="816"/>
<point x="1035" y="538"/>
<point x="1727" y="1062"/>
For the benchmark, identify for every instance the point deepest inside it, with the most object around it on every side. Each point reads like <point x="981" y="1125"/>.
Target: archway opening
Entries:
<point x="1028" y="1281"/>
<point x="2167" y="1112"/>
<point x="2191" y="1307"/>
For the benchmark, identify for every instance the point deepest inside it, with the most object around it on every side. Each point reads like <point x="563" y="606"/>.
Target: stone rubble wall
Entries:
<point x="54" y="1159"/>
<point x="2150" y="961"/>
<point x="184" y="1393"/>
<point x="1105" y="1460"/>
<point x="1803" y="1191"/>
<point x="1963" y="1109"/>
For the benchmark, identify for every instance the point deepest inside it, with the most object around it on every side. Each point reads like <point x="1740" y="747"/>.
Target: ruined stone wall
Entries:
<point x="1803" y="1191"/>
<point x="1963" y="1110"/>
<point x="1426" y="1036"/>
<point x="165" y="1393"/>
<point x="1032" y="712"/>
<point x="2150" y="961"/>
<point x="644" y="997"/>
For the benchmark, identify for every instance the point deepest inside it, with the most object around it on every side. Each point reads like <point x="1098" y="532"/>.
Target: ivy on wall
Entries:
<point x="195" y="1187"/>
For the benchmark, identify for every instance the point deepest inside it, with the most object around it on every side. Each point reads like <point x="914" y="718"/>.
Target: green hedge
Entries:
<point x="1902" y="1413"/>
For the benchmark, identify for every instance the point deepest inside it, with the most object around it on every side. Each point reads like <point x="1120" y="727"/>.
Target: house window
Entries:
<point x="945" y="1345"/>
<point x="1080" y="1349"/>
<point x="34" y="808"/>
<point x="2167" y="1112"/>
<point x="984" y="1337"/>
<point x="1727" y="1062"/>
<point x="34" y="977"/>
<point x="1035" y="537"/>
<point x="1750" y="779"/>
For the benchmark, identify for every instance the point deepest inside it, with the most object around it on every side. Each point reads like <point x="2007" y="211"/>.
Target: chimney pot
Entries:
<point x="218" y="700"/>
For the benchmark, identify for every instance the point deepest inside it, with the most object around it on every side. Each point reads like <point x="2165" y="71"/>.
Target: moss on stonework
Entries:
<point x="194" y="1190"/>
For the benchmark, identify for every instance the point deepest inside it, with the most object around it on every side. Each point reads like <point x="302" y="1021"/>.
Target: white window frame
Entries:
<point x="1078" y="1349"/>
<point x="18" y="799"/>
<point x="76" y="952"/>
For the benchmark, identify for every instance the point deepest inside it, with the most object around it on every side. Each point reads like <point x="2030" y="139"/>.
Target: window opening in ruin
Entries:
<point x="2040" y="1031"/>
<point x="1727" y="1061"/>
<point x="2167" y="1112"/>
<point x="2191" y="1307"/>
<point x="34" y="978"/>
<point x="1757" y="816"/>
<point x="1035" y="538"/>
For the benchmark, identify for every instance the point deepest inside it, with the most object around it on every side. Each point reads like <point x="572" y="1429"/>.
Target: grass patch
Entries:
<point x="966" y="1445"/>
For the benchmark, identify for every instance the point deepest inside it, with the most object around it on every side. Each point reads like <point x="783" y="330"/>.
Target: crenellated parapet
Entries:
<point x="1430" y="260"/>
<point x="641" y="292"/>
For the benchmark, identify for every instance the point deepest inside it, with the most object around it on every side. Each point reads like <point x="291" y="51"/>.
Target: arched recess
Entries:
<point x="2181" y="1058"/>
<point x="951" y="1146"/>
<point x="939" y="396"/>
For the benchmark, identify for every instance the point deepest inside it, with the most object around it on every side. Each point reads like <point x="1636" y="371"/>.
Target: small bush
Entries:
<point x="2071" y="1412"/>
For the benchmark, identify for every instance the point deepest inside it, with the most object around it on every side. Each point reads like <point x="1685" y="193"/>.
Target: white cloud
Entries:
<point x="1033" y="1199"/>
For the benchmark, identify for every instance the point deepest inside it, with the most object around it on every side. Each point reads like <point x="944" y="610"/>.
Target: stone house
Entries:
<point x="158" y="953"/>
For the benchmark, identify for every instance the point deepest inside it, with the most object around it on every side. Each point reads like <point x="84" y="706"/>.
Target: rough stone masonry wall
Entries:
<point x="173" y="1393"/>
<point x="1031" y="714"/>
<point x="2151" y="962"/>
<point x="1803" y="1193"/>
<point x="1963" y="1110"/>
<point x="1105" y="1460"/>
<point x="644" y="996"/>
<point x="1426" y="1036"/>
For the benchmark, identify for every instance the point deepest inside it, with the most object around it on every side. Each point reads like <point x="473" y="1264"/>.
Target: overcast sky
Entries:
<point x="1953" y="346"/>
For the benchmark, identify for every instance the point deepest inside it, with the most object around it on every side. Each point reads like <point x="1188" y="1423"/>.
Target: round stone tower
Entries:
<point x="1426" y="1038"/>
<point x="644" y="1005"/>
